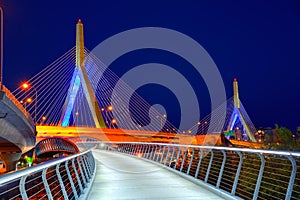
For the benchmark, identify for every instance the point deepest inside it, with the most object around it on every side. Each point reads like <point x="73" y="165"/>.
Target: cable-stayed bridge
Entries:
<point x="126" y="152"/>
<point x="78" y="90"/>
<point x="119" y="135"/>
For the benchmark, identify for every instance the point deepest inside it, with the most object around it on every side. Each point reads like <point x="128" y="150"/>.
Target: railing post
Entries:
<point x="292" y="178"/>
<point x="162" y="155"/>
<point x="142" y="150"/>
<point x="158" y="153"/>
<point x="167" y="155"/>
<point x="172" y="156"/>
<point x="191" y="161"/>
<point x="199" y="163"/>
<point x="222" y="169"/>
<point x="46" y="185"/>
<point x="237" y="175"/>
<point x="85" y="170"/>
<point x="135" y="149"/>
<point x="154" y="152"/>
<point x="145" y="151"/>
<point x="177" y="158"/>
<point x="149" y="152"/>
<point x="259" y="177"/>
<point x="77" y="176"/>
<point x="81" y="171"/>
<point x="22" y="188"/>
<point x="86" y="163"/>
<point x="131" y="149"/>
<point x="209" y="165"/>
<point x="61" y="183"/>
<point x="71" y="180"/>
<point x="183" y="159"/>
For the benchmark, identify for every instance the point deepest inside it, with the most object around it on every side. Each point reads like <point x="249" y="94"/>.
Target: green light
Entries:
<point x="29" y="160"/>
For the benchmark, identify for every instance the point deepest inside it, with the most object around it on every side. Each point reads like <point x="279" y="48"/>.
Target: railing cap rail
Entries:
<point x="262" y="151"/>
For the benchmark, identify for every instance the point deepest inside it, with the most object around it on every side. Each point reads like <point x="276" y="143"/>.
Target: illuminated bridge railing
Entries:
<point x="234" y="172"/>
<point x="66" y="178"/>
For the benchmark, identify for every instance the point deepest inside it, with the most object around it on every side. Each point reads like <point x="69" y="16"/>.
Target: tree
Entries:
<point x="282" y="140"/>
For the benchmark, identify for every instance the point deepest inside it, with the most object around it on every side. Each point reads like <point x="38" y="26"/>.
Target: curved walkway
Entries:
<point x="123" y="177"/>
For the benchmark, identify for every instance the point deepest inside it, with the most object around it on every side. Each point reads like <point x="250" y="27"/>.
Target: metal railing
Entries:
<point x="235" y="172"/>
<point x="66" y="178"/>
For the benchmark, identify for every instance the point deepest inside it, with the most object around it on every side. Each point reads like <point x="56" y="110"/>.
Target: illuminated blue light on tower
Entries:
<point x="72" y="97"/>
<point x="233" y="121"/>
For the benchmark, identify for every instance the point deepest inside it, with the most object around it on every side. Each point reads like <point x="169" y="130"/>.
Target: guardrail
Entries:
<point x="236" y="172"/>
<point x="66" y="178"/>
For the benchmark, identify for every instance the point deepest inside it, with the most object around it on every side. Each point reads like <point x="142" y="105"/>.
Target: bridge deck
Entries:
<point x="123" y="177"/>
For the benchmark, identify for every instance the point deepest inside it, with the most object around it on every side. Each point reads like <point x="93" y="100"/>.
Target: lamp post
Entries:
<point x="1" y="53"/>
<point x="43" y="119"/>
<point x="109" y="108"/>
<point x="163" y="116"/>
<point x="113" y="121"/>
<point x="26" y="86"/>
<point x="202" y="126"/>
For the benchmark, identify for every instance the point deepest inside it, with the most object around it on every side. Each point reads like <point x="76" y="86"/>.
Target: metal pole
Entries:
<point x="1" y="53"/>
<point x="35" y="105"/>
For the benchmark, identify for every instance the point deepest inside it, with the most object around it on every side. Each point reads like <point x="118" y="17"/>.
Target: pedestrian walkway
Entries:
<point x="123" y="177"/>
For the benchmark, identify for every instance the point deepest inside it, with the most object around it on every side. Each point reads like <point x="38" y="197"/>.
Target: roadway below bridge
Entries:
<point x="17" y="130"/>
<point x="120" y="176"/>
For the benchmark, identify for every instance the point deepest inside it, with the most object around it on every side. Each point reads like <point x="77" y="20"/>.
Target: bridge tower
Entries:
<point x="240" y="114"/>
<point x="80" y="77"/>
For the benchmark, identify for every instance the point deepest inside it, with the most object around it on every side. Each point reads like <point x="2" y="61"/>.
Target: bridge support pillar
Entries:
<point x="10" y="160"/>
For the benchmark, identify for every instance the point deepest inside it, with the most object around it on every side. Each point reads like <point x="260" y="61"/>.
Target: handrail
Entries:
<point x="51" y="179"/>
<point x="235" y="172"/>
<point x="266" y="151"/>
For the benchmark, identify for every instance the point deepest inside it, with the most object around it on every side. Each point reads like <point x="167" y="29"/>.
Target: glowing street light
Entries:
<point x="42" y="120"/>
<point x="26" y="86"/>
<point x="29" y="100"/>
<point x="161" y="117"/>
<point x="108" y="108"/>
<point x="113" y="121"/>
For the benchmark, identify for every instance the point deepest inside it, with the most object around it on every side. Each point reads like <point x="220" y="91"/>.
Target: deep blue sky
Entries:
<point x="257" y="42"/>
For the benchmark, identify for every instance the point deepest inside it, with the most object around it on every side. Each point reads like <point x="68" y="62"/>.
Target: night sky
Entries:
<point x="257" y="42"/>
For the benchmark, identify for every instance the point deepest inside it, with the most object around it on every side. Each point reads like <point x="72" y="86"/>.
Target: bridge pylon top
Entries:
<point x="79" y="44"/>
<point x="236" y="98"/>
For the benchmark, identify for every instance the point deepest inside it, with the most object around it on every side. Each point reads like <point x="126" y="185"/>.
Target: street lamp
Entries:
<point x="43" y="119"/>
<point x="203" y="123"/>
<point x="1" y="53"/>
<point x="109" y="108"/>
<point x="113" y="121"/>
<point x="26" y="86"/>
<point x="161" y="117"/>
